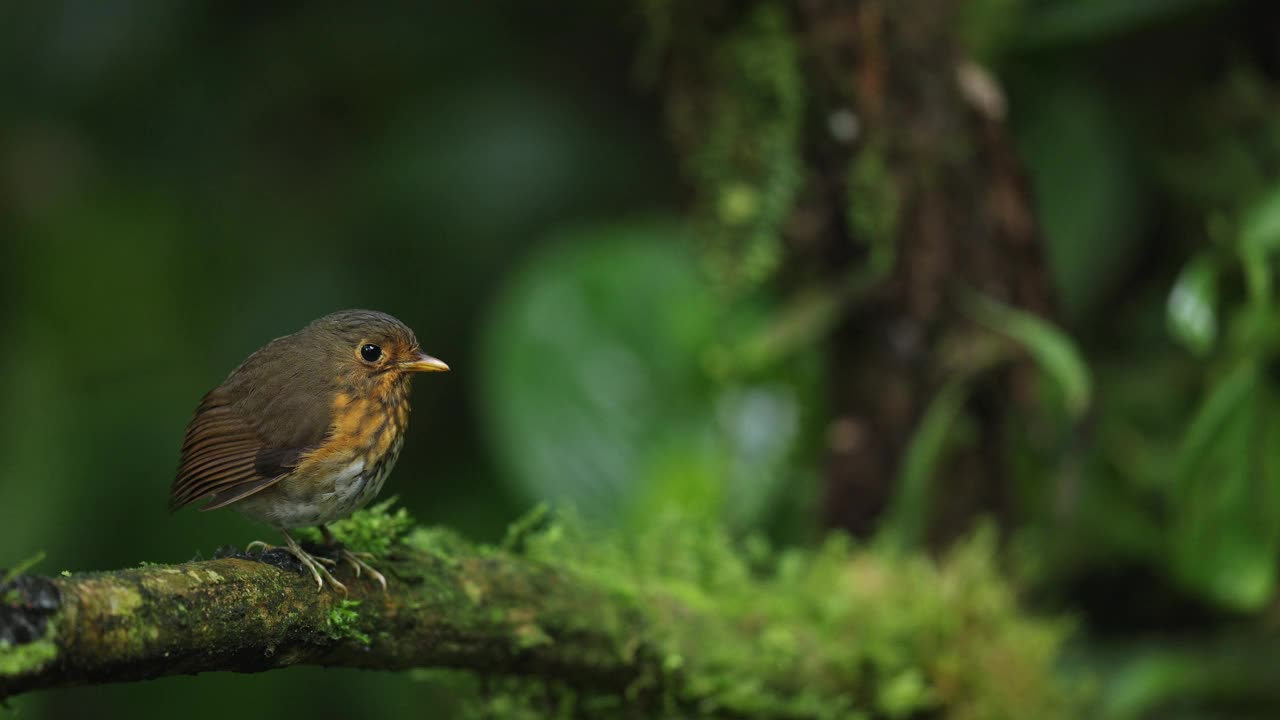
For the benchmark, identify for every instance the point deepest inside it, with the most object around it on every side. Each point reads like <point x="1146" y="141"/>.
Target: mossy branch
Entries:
<point x="486" y="611"/>
<point x="682" y="622"/>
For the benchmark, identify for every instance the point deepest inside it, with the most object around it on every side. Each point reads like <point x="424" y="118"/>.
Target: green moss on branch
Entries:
<point x="28" y="658"/>
<point x="678" y="620"/>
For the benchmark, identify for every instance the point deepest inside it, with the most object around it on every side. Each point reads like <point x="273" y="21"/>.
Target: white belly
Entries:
<point x="357" y="486"/>
<point x="349" y="489"/>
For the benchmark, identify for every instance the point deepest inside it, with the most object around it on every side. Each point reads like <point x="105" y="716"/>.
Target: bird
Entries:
<point x="306" y="430"/>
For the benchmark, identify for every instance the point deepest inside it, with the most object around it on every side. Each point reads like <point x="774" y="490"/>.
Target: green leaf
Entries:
<point x="1259" y="240"/>
<point x="909" y="513"/>
<point x="1226" y="504"/>
<point x="1215" y="413"/>
<point x="1090" y="189"/>
<point x="596" y="392"/>
<point x="1053" y="351"/>
<point x="1260" y="231"/>
<point x="1191" y="311"/>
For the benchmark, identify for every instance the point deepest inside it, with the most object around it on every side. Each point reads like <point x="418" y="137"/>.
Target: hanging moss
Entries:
<point x="750" y="168"/>
<point x="738" y="113"/>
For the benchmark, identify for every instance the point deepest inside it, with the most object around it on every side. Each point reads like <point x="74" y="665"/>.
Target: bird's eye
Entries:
<point x="370" y="352"/>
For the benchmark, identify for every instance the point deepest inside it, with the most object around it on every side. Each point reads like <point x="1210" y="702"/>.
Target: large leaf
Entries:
<point x="597" y="395"/>
<point x="1089" y="192"/>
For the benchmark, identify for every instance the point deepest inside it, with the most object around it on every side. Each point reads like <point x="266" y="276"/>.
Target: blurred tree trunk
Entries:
<point x="965" y="216"/>
<point x="881" y="152"/>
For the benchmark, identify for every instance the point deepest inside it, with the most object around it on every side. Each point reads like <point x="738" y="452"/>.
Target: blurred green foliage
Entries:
<point x="599" y="396"/>
<point x="1151" y="135"/>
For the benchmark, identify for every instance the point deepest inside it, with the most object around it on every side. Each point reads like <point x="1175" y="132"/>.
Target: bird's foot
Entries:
<point x="311" y="562"/>
<point x="355" y="559"/>
<point x="357" y="562"/>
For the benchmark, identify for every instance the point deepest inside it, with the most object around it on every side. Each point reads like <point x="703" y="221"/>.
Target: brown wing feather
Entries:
<point x="217" y="455"/>
<point x="253" y="429"/>
<point x="224" y="459"/>
<point x="240" y="492"/>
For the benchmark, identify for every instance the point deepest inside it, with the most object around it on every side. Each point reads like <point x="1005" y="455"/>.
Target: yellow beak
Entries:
<point x="424" y="363"/>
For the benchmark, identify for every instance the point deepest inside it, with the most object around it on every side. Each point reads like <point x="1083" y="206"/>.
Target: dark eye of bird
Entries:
<point x="370" y="352"/>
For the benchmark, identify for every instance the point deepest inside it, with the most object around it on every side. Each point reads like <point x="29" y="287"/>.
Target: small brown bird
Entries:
<point x="306" y="430"/>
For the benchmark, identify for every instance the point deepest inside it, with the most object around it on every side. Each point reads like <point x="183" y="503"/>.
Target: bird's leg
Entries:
<point x="309" y="561"/>
<point x="357" y="560"/>
<point x="318" y="571"/>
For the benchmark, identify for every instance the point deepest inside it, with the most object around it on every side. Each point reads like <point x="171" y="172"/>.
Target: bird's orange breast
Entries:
<point x="365" y="425"/>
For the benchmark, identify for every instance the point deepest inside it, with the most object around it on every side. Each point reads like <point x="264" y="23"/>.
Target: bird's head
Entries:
<point x="364" y="344"/>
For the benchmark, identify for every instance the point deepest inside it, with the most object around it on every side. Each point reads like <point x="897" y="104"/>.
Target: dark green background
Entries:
<point x="182" y="181"/>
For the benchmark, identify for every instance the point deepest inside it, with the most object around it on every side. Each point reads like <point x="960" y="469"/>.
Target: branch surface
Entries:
<point x="480" y="610"/>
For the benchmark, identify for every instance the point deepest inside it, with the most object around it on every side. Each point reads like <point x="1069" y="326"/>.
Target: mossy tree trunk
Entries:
<point x="848" y="151"/>
<point x="963" y="217"/>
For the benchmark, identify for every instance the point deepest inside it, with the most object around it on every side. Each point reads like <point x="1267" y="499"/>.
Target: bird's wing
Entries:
<point x="225" y="459"/>
<point x="255" y="427"/>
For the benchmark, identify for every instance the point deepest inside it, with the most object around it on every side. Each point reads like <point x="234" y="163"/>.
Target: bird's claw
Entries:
<point x="311" y="562"/>
<point x="356" y="559"/>
<point x="357" y="562"/>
